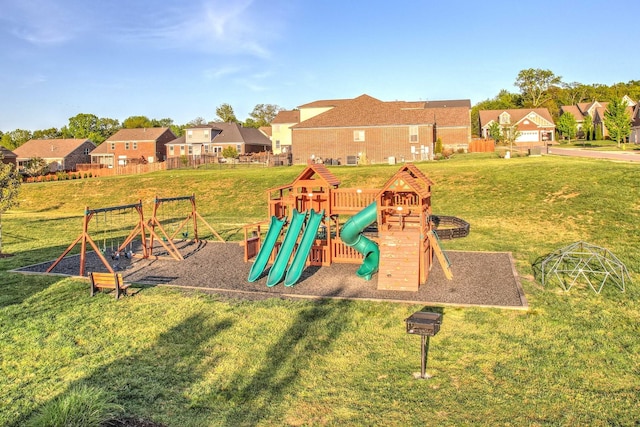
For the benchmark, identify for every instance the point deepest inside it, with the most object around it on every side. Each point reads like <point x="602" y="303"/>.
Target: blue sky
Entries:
<point x="183" y="58"/>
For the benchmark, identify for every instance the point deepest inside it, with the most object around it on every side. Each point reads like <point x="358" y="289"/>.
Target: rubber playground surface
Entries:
<point x="479" y="278"/>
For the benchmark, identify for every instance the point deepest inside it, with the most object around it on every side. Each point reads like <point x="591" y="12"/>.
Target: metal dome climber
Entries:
<point x="582" y="263"/>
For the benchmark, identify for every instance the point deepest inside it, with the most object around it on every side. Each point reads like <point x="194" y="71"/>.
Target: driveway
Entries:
<point x="631" y="156"/>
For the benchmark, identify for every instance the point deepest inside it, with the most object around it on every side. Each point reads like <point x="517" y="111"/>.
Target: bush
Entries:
<point x="438" y="148"/>
<point x="78" y="407"/>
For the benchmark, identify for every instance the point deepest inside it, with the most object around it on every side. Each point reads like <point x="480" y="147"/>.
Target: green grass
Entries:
<point x="193" y="359"/>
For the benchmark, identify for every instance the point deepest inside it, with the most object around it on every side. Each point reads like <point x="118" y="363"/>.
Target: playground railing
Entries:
<point x="351" y="200"/>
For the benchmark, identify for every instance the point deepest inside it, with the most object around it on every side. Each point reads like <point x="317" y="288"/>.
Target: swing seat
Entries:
<point x="108" y="281"/>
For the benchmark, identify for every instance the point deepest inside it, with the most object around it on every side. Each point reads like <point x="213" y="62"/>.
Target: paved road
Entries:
<point x="632" y="156"/>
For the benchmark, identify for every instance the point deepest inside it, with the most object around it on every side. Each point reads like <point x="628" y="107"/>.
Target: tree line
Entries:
<point x="99" y="129"/>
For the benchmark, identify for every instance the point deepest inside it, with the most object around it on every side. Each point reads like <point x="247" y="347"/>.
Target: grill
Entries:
<point x="426" y="325"/>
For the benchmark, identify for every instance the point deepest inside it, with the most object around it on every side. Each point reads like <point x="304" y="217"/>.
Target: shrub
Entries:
<point x="438" y="148"/>
<point x="85" y="175"/>
<point x="80" y="406"/>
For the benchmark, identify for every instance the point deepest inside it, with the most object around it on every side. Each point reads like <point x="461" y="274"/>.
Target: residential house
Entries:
<point x="211" y="139"/>
<point x="8" y="156"/>
<point x="345" y="130"/>
<point x="60" y="154"/>
<point x="635" y="125"/>
<point x="281" y="130"/>
<point x="133" y="146"/>
<point x="596" y="110"/>
<point x="535" y="126"/>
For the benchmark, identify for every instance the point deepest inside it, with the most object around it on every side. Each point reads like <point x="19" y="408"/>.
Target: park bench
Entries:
<point x="108" y="281"/>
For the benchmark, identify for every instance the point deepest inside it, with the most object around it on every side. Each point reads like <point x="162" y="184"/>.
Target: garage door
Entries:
<point x="528" y="136"/>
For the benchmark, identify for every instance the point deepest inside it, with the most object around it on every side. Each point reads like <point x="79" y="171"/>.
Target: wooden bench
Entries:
<point x="108" y="281"/>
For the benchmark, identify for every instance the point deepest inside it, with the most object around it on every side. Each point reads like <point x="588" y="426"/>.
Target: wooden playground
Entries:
<point x="401" y="249"/>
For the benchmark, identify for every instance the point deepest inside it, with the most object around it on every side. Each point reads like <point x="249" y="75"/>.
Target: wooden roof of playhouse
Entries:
<point x="409" y="178"/>
<point x="314" y="175"/>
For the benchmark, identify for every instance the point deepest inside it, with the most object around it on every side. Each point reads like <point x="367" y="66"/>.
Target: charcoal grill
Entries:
<point x="426" y="325"/>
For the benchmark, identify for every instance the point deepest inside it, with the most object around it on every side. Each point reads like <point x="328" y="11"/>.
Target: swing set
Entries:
<point x="169" y="223"/>
<point x="99" y="226"/>
<point x="109" y="245"/>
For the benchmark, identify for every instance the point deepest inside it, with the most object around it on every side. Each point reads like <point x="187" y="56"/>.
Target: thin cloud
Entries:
<point x="40" y="22"/>
<point x="214" y="26"/>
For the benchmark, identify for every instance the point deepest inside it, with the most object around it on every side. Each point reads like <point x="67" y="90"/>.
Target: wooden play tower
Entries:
<point x="404" y="234"/>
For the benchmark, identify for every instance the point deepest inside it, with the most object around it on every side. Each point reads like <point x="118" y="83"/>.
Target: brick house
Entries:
<point x="341" y="131"/>
<point x="535" y="125"/>
<point x="281" y="130"/>
<point x="211" y="139"/>
<point x="596" y="110"/>
<point x="60" y="154"/>
<point x="8" y="156"/>
<point x="133" y="146"/>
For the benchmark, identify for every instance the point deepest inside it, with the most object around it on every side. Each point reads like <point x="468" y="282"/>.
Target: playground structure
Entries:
<point x="401" y="250"/>
<point x="583" y="264"/>
<point x="94" y="229"/>
<point x="169" y="229"/>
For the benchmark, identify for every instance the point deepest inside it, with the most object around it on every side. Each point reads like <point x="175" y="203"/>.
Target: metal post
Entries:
<point x="425" y="354"/>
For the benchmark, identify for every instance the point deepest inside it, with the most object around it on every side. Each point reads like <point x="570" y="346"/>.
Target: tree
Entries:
<point x="226" y="114"/>
<point x="91" y="127"/>
<point x="51" y="133"/>
<point x="534" y="84"/>
<point x="196" y="122"/>
<point x="567" y="125"/>
<point x="229" y="152"/>
<point x="135" y="122"/>
<point x="9" y="190"/>
<point x="495" y="132"/>
<point x="35" y="166"/>
<point x="262" y="115"/>
<point x="15" y="138"/>
<point x="587" y="127"/>
<point x="510" y="134"/>
<point x="617" y="120"/>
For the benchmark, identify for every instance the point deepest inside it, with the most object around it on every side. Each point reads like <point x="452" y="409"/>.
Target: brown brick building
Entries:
<point x="60" y="154"/>
<point x="341" y="131"/>
<point x="133" y="146"/>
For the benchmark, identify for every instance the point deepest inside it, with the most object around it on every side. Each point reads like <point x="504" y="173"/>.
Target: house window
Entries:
<point x="171" y="150"/>
<point x="413" y="133"/>
<point x="113" y="146"/>
<point x="206" y="148"/>
<point x="206" y="133"/>
<point x="358" y="135"/>
<point x="86" y="151"/>
<point x="189" y="133"/>
<point x="239" y="148"/>
<point x="277" y="143"/>
<point x="182" y="150"/>
<point x="505" y="118"/>
<point x="190" y="150"/>
<point x="276" y="128"/>
<point x="135" y="145"/>
<point x="126" y="145"/>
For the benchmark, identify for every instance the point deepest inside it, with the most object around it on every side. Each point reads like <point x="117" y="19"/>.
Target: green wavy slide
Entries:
<point x="302" y="253"/>
<point x="279" y="267"/>
<point x="265" y="250"/>
<point x="351" y="235"/>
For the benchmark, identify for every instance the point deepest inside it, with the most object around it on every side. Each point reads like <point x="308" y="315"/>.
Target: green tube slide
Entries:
<point x="265" y="250"/>
<point x="351" y="235"/>
<point x="279" y="267"/>
<point x="302" y="253"/>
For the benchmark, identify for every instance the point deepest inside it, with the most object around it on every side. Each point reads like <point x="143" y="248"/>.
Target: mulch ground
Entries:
<point x="479" y="278"/>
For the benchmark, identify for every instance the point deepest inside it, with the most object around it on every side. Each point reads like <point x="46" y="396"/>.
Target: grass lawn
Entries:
<point x="195" y="359"/>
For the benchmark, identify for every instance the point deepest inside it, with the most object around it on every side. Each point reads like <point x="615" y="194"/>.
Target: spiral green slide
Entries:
<point x="351" y="235"/>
